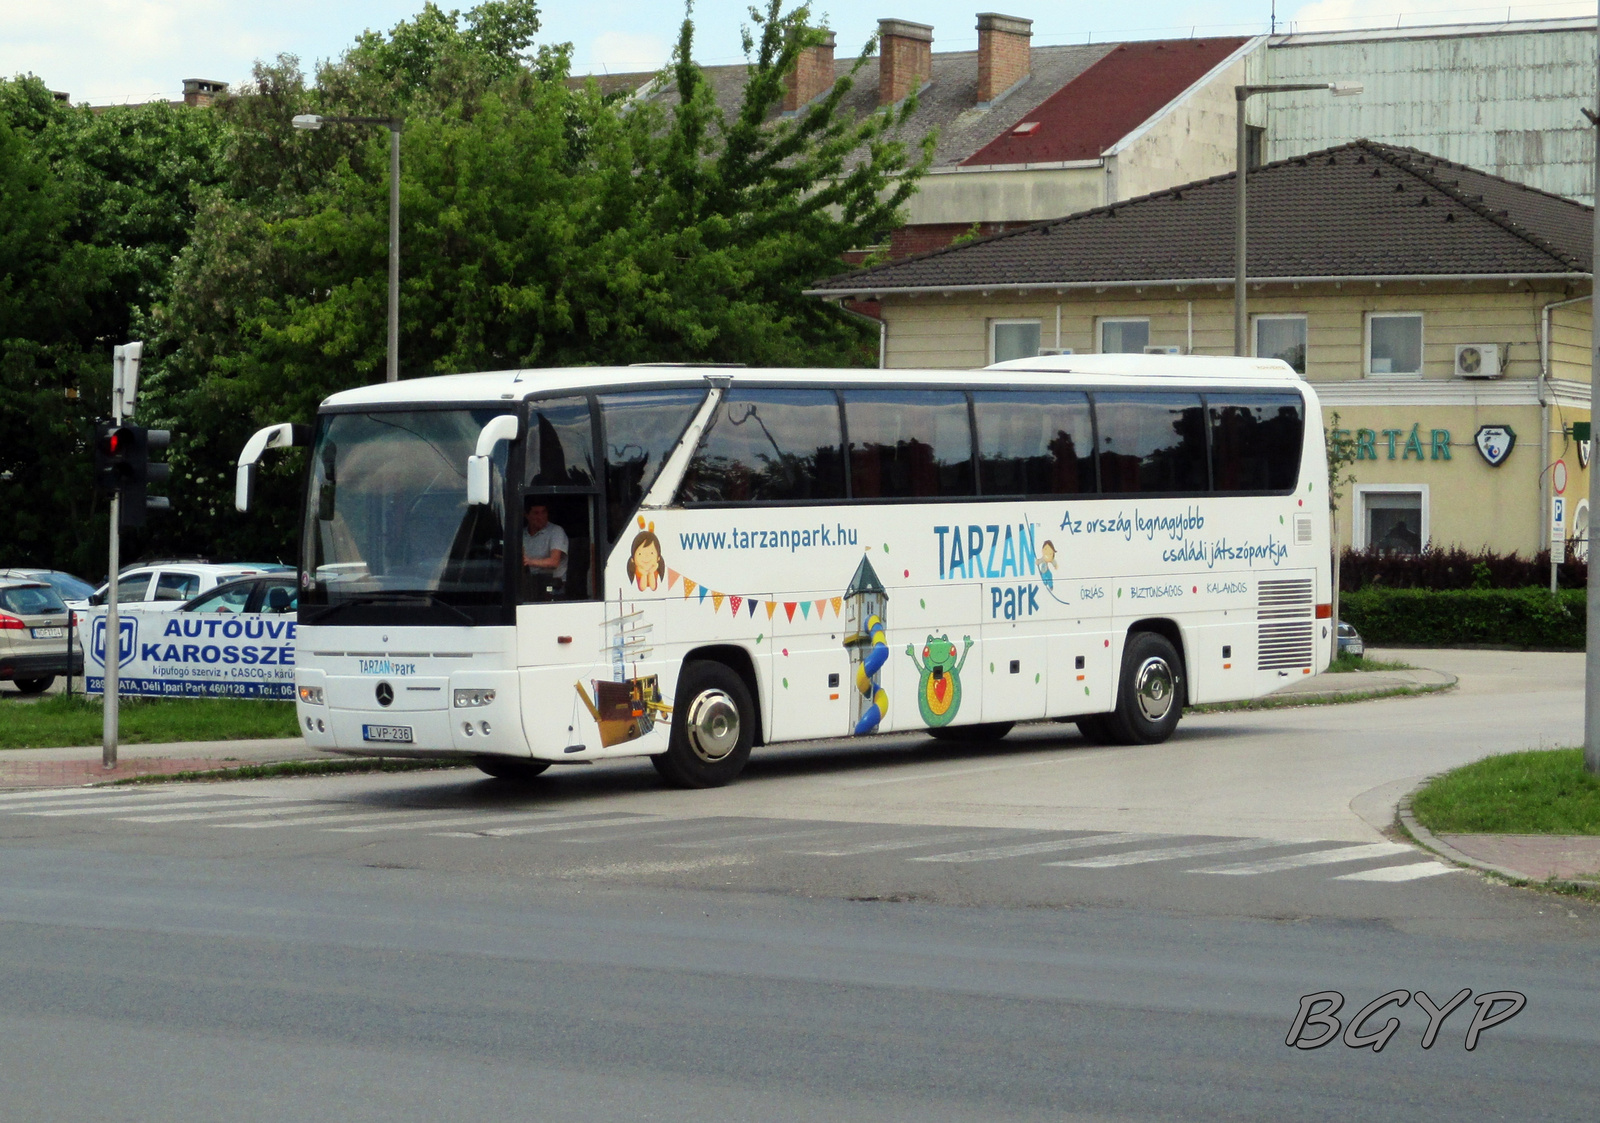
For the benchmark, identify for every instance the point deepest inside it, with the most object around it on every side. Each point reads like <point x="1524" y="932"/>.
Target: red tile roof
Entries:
<point x="1107" y="101"/>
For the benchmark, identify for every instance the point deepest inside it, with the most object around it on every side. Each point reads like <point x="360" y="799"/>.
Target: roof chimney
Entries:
<point x="905" y="58"/>
<point x="202" y="91"/>
<point x="811" y="77"/>
<point x="1002" y="54"/>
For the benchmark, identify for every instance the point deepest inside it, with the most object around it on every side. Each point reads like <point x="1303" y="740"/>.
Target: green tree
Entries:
<point x="94" y="207"/>
<point x="542" y="224"/>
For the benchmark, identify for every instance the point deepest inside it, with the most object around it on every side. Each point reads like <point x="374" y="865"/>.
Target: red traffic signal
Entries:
<point x="113" y="456"/>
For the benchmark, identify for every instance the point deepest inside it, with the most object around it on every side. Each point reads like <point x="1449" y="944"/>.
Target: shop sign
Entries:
<point x="1398" y="443"/>
<point x="1495" y="443"/>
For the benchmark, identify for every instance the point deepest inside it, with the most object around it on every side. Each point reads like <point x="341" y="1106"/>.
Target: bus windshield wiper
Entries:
<point x="397" y="598"/>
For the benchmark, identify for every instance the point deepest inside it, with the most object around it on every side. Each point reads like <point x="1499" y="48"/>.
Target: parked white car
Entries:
<point x="168" y="586"/>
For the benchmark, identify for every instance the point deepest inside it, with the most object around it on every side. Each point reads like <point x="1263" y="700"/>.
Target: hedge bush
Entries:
<point x="1455" y="568"/>
<point x="1513" y="617"/>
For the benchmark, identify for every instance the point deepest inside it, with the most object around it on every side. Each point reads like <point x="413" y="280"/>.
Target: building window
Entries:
<point x="1013" y="339"/>
<point x="1282" y="337"/>
<point x="1394" y="343"/>
<point x="1392" y="519"/>
<point x="1124" y="337"/>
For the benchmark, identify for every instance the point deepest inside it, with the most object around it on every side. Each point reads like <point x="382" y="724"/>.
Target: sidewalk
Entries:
<point x="1313" y="687"/>
<point x="65" y="767"/>
<point x="1564" y="859"/>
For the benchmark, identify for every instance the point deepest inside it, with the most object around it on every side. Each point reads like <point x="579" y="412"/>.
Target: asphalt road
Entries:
<point x="910" y="930"/>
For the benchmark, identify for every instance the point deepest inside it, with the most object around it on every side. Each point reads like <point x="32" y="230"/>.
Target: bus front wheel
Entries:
<point x="713" y="726"/>
<point x="1150" y="694"/>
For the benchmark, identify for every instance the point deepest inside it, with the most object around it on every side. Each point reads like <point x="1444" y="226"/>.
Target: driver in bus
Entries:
<point x="544" y="550"/>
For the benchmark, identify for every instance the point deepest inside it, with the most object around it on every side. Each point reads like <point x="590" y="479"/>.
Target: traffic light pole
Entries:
<point x="113" y="634"/>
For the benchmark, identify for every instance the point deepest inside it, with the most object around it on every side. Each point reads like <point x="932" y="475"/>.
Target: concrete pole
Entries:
<point x="1591" y="664"/>
<point x="1240" y="323"/>
<point x="394" y="251"/>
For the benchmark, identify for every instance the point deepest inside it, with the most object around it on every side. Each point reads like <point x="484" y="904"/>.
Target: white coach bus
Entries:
<point x="743" y="557"/>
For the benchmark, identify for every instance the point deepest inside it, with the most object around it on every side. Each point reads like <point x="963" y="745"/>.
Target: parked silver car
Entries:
<point x="33" y="635"/>
<point x="1350" y="641"/>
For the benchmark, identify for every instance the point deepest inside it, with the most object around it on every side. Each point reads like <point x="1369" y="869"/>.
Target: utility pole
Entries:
<point x="1591" y="658"/>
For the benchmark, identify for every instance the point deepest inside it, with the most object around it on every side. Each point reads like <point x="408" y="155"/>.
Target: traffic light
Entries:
<point x="136" y="503"/>
<point x="112" y="446"/>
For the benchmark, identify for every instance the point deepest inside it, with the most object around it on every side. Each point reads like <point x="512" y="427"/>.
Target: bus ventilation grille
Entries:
<point x="1302" y="530"/>
<point x="1286" y="625"/>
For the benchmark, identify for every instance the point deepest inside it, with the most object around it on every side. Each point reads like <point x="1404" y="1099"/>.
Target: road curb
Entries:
<point x="1427" y="840"/>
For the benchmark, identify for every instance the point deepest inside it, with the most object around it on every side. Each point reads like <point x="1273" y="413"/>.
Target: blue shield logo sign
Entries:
<point x="129" y="628"/>
<point x="1495" y="443"/>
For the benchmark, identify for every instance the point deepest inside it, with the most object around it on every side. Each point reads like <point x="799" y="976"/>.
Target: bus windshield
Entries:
<point x="386" y="514"/>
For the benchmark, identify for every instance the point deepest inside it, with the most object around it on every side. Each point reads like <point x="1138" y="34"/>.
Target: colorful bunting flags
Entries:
<point x="837" y="602"/>
<point x="688" y="588"/>
<point x="822" y="608"/>
<point x="752" y="603"/>
<point x="672" y="578"/>
<point x="716" y="602"/>
<point x="735" y="602"/>
<point x="772" y="606"/>
<point x="789" y="607"/>
<point x="805" y="609"/>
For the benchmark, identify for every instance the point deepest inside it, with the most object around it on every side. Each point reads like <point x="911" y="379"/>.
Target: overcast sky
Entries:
<point x="112" y="51"/>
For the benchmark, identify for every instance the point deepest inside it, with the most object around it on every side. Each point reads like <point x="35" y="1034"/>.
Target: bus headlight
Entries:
<point x="474" y="697"/>
<point x="312" y="695"/>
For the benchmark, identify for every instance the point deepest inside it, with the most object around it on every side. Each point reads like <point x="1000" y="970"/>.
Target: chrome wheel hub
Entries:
<point x="1155" y="688"/>
<point x="713" y="725"/>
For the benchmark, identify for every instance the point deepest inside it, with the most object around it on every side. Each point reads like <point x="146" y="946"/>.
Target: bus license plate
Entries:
<point x="49" y="633"/>
<point x="396" y="734"/>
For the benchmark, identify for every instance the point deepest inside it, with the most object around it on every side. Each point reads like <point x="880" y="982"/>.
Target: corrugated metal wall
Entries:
<point x="1507" y="102"/>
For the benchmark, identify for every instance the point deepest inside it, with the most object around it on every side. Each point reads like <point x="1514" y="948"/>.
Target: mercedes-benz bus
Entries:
<point x="744" y="557"/>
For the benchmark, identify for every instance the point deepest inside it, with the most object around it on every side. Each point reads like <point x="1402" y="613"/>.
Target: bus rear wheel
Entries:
<point x="510" y="767"/>
<point x="986" y="731"/>
<point x="1096" y="729"/>
<point x="713" y="727"/>
<point x="1150" y="693"/>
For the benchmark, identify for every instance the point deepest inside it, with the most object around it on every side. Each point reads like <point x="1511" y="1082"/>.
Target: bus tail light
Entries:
<point x="474" y="697"/>
<point x="312" y="695"/>
<point x="1324" y="611"/>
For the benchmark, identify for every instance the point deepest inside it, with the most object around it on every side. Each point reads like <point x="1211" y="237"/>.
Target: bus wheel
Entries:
<point x="510" y="767"/>
<point x="713" y="724"/>
<point x="987" y="731"/>
<point x="1150" y="695"/>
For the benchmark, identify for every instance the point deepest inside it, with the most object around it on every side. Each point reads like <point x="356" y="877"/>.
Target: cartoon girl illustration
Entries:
<point x="1047" y="562"/>
<point x="646" y="567"/>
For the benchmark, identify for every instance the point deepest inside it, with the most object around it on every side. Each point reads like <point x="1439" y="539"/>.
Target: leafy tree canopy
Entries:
<point x="541" y="224"/>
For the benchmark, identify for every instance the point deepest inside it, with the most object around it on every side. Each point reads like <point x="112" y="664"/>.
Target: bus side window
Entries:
<point x="641" y="429"/>
<point x="560" y="444"/>
<point x="768" y="446"/>
<point x="1255" y="440"/>
<point x="913" y="444"/>
<point x="1034" y="442"/>
<point x="1152" y="443"/>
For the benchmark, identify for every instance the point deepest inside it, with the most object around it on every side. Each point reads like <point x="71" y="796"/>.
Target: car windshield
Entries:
<point x="229" y="598"/>
<point x="387" y="513"/>
<point x="70" y="587"/>
<point x="31" y="600"/>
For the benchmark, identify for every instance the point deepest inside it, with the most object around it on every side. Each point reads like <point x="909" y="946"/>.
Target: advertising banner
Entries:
<point x="192" y="654"/>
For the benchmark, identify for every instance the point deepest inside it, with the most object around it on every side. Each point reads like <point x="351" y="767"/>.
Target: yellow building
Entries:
<point x="1442" y="313"/>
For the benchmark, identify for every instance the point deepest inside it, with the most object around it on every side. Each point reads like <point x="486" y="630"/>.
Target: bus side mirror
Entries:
<point x="479" y="477"/>
<point x="273" y="436"/>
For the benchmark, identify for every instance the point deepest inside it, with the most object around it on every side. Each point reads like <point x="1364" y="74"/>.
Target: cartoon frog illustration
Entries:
<point x="939" y="692"/>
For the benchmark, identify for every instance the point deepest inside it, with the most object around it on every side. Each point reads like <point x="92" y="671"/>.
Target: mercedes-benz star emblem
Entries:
<point x="385" y="694"/>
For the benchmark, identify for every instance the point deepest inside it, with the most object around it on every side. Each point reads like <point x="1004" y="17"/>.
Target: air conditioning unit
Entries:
<point x="1477" y="360"/>
<point x="1155" y="349"/>
<point x="1055" y="350"/>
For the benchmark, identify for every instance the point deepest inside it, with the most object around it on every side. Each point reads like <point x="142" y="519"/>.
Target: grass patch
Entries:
<point x="293" y="768"/>
<point x="1541" y="792"/>
<point x="58" y="720"/>
<point x="1346" y="663"/>
<point x="1283" y="701"/>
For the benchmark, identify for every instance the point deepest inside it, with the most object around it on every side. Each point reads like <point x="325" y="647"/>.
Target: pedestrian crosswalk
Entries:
<point x="977" y="848"/>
